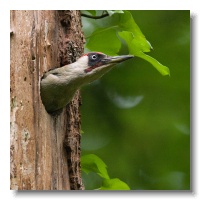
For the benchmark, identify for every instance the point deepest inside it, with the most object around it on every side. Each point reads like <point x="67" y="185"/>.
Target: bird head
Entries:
<point x="95" y="61"/>
<point x="93" y="65"/>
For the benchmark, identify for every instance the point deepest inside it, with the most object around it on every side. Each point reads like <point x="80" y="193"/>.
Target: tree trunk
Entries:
<point x="45" y="149"/>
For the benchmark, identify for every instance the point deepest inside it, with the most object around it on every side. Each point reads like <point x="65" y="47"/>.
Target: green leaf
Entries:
<point x="161" y="68"/>
<point x="134" y="44"/>
<point x="114" y="184"/>
<point x="127" y="23"/>
<point x="104" y="40"/>
<point x="92" y="163"/>
<point x="137" y="47"/>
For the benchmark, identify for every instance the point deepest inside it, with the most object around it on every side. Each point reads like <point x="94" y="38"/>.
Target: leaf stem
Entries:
<point x="96" y="17"/>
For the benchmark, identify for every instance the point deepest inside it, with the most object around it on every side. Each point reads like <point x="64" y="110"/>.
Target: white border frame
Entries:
<point x="8" y="5"/>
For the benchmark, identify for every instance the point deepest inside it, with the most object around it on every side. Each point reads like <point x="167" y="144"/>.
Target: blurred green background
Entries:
<point x="138" y="121"/>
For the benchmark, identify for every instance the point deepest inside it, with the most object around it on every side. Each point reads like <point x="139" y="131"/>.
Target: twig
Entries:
<point x="95" y="17"/>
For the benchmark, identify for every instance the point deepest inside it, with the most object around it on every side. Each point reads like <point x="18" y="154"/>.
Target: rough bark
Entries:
<point x="45" y="149"/>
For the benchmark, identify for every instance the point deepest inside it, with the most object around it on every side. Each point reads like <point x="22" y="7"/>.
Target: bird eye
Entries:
<point x="94" y="57"/>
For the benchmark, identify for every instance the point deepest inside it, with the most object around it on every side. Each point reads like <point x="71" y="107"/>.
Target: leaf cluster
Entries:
<point x="109" y="34"/>
<point x="92" y="163"/>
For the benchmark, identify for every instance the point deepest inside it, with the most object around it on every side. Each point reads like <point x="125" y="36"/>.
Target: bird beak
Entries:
<point x="116" y="59"/>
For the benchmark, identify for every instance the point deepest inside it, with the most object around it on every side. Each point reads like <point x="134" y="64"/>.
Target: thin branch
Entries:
<point x="95" y="17"/>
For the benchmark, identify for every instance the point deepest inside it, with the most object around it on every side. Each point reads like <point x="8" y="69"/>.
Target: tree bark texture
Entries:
<point x="45" y="149"/>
